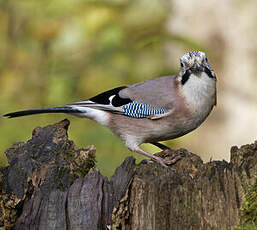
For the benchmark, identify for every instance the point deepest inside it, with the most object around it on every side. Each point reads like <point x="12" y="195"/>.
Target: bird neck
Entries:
<point x="200" y="92"/>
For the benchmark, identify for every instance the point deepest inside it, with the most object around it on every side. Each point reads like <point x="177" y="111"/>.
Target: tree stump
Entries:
<point x="49" y="185"/>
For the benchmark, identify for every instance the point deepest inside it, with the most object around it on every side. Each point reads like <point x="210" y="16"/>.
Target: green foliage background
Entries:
<point x="57" y="52"/>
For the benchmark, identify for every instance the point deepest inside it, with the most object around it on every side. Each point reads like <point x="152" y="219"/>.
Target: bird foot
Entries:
<point x="167" y="161"/>
<point x="170" y="160"/>
<point x="160" y="161"/>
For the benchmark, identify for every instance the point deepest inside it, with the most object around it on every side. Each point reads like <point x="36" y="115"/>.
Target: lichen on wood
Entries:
<point x="248" y="210"/>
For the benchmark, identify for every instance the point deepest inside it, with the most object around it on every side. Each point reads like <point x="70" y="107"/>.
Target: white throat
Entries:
<point x="200" y="93"/>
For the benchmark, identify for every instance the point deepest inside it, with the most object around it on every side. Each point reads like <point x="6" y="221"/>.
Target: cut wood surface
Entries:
<point x="52" y="184"/>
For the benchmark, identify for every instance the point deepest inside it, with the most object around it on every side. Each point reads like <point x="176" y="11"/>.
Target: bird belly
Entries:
<point x="171" y="131"/>
<point x="146" y="130"/>
<point x="179" y="126"/>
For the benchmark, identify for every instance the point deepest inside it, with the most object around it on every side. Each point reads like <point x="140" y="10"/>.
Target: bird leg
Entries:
<point x="152" y="157"/>
<point x="159" y="145"/>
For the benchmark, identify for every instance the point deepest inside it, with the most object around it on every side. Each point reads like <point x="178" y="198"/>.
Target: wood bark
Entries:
<point x="52" y="184"/>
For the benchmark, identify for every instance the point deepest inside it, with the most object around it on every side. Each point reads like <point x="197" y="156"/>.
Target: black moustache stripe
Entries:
<point x="185" y="77"/>
<point x="208" y="72"/>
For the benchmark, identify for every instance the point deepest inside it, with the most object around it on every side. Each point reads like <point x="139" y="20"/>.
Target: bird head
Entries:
<point x="196" y="63"/>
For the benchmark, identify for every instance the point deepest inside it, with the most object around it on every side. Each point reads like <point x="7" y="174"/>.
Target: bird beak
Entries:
<point x="196" y="67"/>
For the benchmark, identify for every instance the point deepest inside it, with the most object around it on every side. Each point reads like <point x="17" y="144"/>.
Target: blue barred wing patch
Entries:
<point x="137" y="110"/>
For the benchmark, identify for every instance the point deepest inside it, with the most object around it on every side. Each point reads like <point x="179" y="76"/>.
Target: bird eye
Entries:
<point x="181" y="64"/>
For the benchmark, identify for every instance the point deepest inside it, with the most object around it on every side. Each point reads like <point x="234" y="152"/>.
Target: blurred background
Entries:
<point x="57" y="52"/>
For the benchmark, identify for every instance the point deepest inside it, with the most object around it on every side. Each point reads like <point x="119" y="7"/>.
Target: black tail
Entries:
<point x="65" y="109"/>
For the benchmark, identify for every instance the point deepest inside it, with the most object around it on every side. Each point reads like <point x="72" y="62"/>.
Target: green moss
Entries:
<point x="3" y="161"/>
<point x="249" y="209"/>
<point x="249" y="226"/>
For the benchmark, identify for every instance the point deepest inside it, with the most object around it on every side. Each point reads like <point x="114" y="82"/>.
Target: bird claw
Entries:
<point x="172" y="159"/>
<point x="165" y="162"/>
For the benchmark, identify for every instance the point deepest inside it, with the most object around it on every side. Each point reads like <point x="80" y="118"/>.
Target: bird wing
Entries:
<point x="150" y="99"/>
<point x="158" y="92"/>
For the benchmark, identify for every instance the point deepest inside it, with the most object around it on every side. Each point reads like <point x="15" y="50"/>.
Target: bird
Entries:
<point x="151" y="111"/>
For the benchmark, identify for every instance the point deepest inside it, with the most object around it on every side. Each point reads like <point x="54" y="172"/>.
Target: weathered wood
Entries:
<point x="195" y="196"/>
<point x="40" y="172"/>
<point x="48" y="186"/>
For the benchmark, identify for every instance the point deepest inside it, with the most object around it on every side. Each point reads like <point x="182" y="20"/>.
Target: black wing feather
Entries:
<point x="117" y="101"/>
